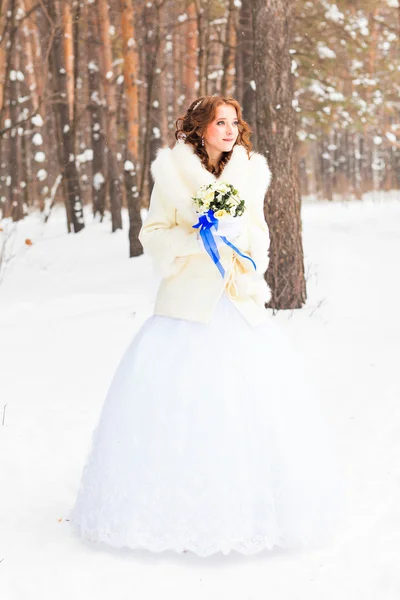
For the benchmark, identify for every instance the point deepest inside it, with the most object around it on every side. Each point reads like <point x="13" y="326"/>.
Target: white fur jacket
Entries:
<point x="192" y="285"/>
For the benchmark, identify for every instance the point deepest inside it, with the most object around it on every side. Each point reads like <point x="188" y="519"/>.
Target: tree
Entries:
<point x="190" y="61"/>
<point x="228" y="57"/>
<point x="97" y="121"/>
<point x="61" y="109"/>
<point x="112" y="141"/>
<point x="276" y="133"/>
<point x="132" y="118"/>
<point x="15" y="197"/>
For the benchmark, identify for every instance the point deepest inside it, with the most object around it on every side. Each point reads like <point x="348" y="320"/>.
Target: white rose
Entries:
<point x="209" y="197"/>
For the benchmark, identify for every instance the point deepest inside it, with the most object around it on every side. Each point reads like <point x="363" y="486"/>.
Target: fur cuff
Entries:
<point x="258" y="288"/>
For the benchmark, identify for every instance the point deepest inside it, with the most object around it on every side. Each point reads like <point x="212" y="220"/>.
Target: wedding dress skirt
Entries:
<point x="210" y="440"/>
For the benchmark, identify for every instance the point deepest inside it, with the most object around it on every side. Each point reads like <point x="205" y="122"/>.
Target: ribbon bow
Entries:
<point x="205" y="223"/>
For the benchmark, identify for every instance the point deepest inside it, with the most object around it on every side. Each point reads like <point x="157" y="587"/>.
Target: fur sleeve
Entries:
<point x="162" y="239"/>
<point x="250" y="283"/>
<point x="260" y="176"/>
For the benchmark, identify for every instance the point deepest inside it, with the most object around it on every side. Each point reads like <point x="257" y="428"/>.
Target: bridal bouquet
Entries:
<point x="221" y="198"/>
<point x="218" y="203"/>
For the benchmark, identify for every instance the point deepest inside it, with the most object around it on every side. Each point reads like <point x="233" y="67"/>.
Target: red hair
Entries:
<point x="191" y="126"/>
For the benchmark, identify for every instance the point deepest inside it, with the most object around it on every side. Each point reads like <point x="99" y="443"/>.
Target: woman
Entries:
<point x="209" y="440"/>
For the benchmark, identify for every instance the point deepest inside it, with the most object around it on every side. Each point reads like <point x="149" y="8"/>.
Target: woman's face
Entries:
<point x="221" y="133"/>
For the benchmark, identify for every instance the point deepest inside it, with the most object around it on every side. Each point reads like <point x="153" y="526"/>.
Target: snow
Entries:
<point x="336" y="96"/>
<point x="40" y="157"/>
<point x="391" y="136"/>
<point x="325" y="52"/>
<point x="129" y="166"/>
<point x="93" y="66"/>
<point x="333" y="13"/>
<point x="98" y="180"/>
<point x="96" y="98"/>
<point x="85" y="156"/>
<point x="302" y="135"/>
<point x="317" y="88"/>
<point x="37" y="139"/>
<point x="16" y="75"/>
<point x="69" y="306"/>
<point x="37" y="120"/>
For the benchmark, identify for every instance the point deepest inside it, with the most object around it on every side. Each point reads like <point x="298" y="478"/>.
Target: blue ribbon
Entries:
<point x="205" y="223"/>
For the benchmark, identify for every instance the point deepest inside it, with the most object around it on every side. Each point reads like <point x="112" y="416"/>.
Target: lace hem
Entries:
<point x="249" y="546"/>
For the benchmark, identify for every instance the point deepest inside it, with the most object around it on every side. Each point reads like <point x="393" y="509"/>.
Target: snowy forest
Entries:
<point x="90" y="89"/>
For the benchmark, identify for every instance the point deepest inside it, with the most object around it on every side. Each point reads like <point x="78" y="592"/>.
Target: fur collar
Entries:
<point x="179" y="172"/>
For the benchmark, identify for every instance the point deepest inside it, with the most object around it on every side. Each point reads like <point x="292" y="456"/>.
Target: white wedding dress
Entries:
<point x="210" y="440"/>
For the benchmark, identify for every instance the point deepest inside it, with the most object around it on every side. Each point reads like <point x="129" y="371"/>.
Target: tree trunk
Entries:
<point x="202" y="42"/>
<point x="69" y="53"/>
<point x="4" y="15"/>
<point x="64" y="131"/>
<point x="37" y="61"/>
<point x="177" y="67"/>
<point x="149" y="141"/>
<point x="113" y="172"/>
<point x="15" y="191"/>
<point x="228" y="57"/>
<point x="162" y="74"/>
<point x="95" y="104"/>
<point x="75" y="63"/>
<point x="132" y="125"/>
<point x="246" y="49"/>
<point x="190" y="59"/>
<point x="276" y="127"/>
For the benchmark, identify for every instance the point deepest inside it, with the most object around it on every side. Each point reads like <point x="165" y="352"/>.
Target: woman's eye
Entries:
<point x="235" y="122"/>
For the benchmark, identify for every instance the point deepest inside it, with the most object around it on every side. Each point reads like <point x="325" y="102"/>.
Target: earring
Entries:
<point x="202" y="141"/>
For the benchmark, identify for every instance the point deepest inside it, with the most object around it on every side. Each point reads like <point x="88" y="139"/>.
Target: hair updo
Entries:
<point x="191" y="127"/>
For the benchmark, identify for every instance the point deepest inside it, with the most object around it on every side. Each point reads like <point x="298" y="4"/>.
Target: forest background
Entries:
<point x="90" y="89"/>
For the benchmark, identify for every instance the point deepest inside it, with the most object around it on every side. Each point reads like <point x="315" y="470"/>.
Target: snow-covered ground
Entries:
<point x="69" y="306"/>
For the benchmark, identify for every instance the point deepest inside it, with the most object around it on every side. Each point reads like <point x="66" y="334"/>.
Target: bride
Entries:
<point x="210" y="439"/>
